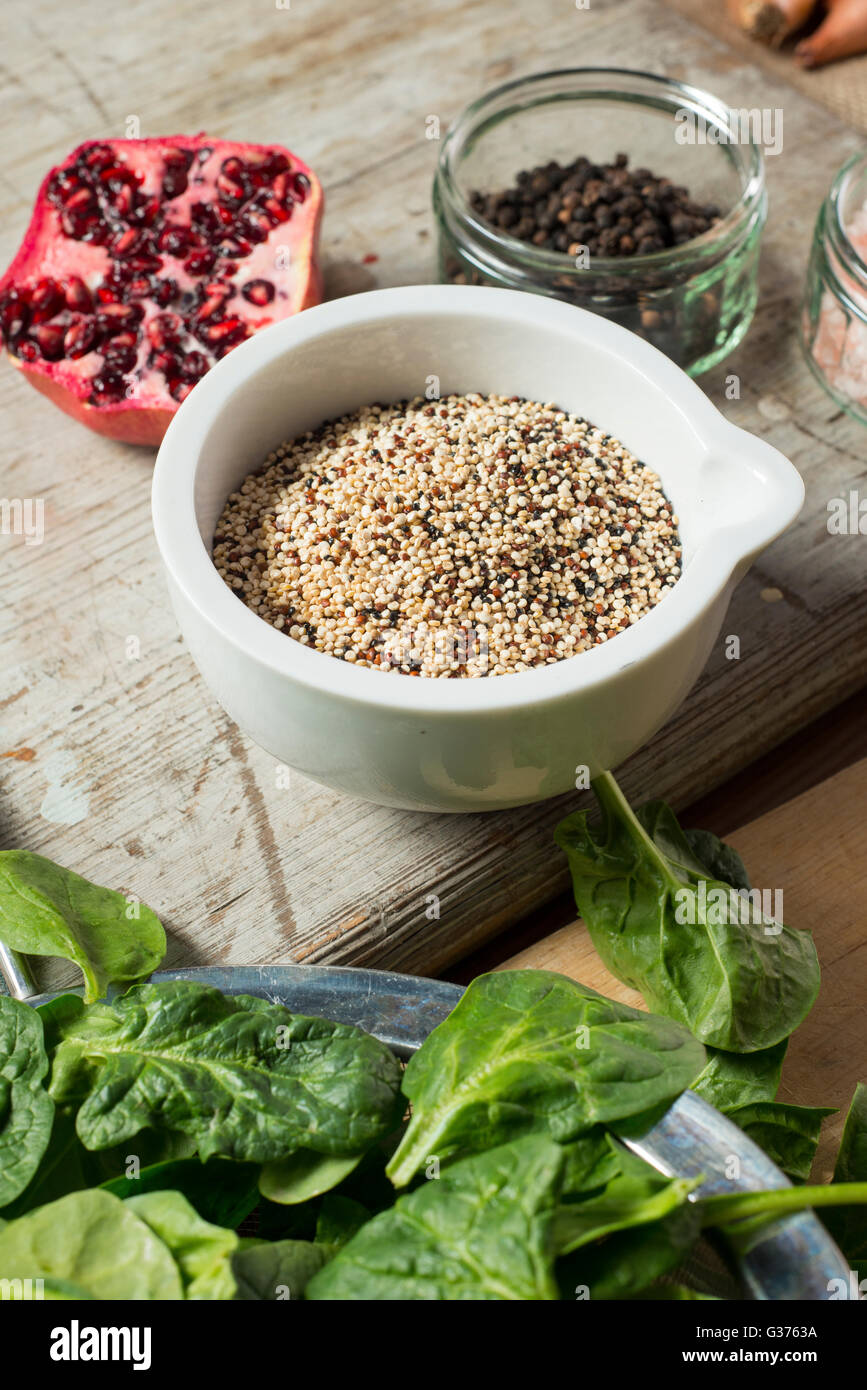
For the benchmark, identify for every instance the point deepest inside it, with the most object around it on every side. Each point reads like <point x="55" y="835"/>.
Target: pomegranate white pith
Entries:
<point x="147" y="260"/>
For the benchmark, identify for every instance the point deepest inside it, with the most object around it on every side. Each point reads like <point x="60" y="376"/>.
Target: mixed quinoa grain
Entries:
<point x="467" y="536"/>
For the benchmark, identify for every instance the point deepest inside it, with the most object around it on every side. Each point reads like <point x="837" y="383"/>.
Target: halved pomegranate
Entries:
<point x="145" y="261"/>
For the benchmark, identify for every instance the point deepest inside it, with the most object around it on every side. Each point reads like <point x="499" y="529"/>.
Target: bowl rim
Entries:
<point x="723" y="549"/>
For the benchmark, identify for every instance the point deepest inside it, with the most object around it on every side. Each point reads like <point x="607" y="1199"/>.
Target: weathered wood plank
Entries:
<point x="160" y="793"/>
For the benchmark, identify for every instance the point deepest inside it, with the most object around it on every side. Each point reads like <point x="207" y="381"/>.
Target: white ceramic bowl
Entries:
<point x="460" y="745"/>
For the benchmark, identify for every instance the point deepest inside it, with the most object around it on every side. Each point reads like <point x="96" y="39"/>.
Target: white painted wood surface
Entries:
<point x="116" y="761"/>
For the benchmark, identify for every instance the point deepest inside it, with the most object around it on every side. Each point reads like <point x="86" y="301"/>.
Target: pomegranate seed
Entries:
<point x="224" y="349"/>
<point x="165" y="291"/>
<point x="220" y="289"/>
<point x="139" y="288"/>
<point x="148" y="211"/>
<point x="224" y="216"/>
<point x="258" y="291"/>
<point x="233" y="167"/>
<point x="255" y="225"/>
<point x="179" y="389"/>
<point x="78" y="200"/>
<point x="142" y="265"/>
<point x="299" y="186"/>
<point x="46" y="299"/>
<point x="108" y="387"/>
<point x="98" y="158"/>
<point x="73" y="224"/>
<point x="116" y="175"/>
<point x="78" y="296"/>
<point x="235" y="247"/>
<point x="164" y="329"/>
<point x="120" y="359"/>
<point x="125" y="314"/>
<point x="205" y="219"/>
<point x="125" y="339"/>
<point x="173" y="240"/>
<point x="84" y="227"/>
<point x="230" y="190"/>
<point x="175" y="158"/>
<point x="14" y="312"/>
<point x="28" y="351"/>
<point x="124" y="202"/>
<point x="194" y="366"/>
<point x="276" y="211"/>
<point x="62" y="185"/>
<point x="227" y="330"/>
<point x="174" y="183"/>
<point x="166" y="362"/>
<point x="209" y="308"/>
<point x="270" y="162"/>
<point x="114" y="318"/>
<point x="120" y="274"/>
<point x="81" y="338"/>
<point x="281" y="188"/>
<point x="128" y="243"/>
<point x="199" y="262"/>
<point x="50" y="337"/>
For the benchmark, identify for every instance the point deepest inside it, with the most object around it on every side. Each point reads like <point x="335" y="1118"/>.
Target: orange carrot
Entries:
<point x="842" y="33"/>
<point x="770" y="21"/>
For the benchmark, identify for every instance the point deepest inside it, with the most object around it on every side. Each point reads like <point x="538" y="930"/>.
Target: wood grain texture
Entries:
<point x="813" y="849"/>
<point x="117" y="761"/>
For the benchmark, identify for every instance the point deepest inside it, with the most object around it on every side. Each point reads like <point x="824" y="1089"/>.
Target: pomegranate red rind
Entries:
<point x="147" y="260"/>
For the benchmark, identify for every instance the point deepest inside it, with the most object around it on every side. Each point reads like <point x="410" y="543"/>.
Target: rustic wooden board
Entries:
<point x="814" y="849"/>
<point x="116" y="760"/>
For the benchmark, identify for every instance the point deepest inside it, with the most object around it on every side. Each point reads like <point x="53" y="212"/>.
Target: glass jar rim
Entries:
<point x="481" y="113"/>
<point x="833" y="223"/>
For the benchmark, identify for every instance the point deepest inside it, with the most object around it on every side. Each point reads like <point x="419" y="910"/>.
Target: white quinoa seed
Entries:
<point x="470" y="536"/>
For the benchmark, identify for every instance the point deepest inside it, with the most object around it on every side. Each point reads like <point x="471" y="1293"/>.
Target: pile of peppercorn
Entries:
<point x="609" y="209"/>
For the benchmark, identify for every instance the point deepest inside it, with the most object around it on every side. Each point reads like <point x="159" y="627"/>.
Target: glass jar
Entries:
<point x="834" y="317"/>
<point x="694" y="301"/>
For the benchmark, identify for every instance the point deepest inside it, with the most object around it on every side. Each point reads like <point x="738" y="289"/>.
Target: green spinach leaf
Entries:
<point x="279" y="1269"/>
<point x="848" y="1225"/>
<point x="46" y="910"/>
<point x="731" y="1079"/>
<point x="244" y="1078"/>
<point x="625" y="1202"/>
<point x="340" y="1218"/>
<point x="529" y="1051"/>
<point x="221" y="1191"/>
<point x="590" y="1162"/>
<point x="62" y="1169"/>
<point x="719" y="860"/>
<point x="624" y="1263"/>
<point x="789" y="1134"/>
<point x="57" y="1015"/>
<point x="203" y="1252"/>
<point x="697" y="950"/>
<point x="480" y="1231"/>
<point x="92" y="1240"/>
<point x="26" y="1109"/>
<point x="304" y="1174"/>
